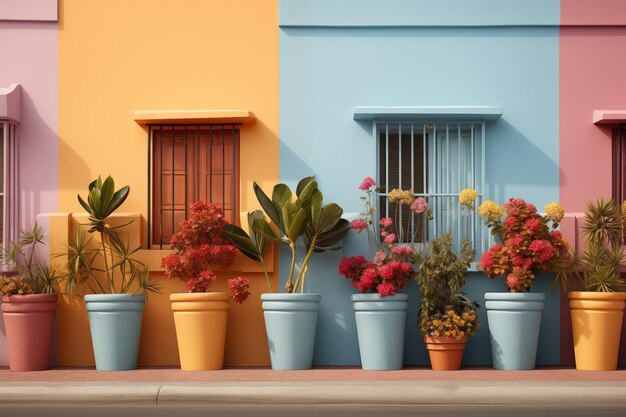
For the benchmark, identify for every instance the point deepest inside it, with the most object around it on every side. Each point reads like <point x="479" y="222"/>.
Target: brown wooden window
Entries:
<point x="619" y="164"/>
<point x="191" y="163"/>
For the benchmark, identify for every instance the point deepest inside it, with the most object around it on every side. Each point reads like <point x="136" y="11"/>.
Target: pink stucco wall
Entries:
<point x="29" y="57"/>
<point x="592" y="63"/>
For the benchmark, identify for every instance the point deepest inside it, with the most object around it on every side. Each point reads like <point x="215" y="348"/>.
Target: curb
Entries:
<point x="318" y="393"/>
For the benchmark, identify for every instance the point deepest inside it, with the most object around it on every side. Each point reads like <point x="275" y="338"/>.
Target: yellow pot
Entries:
<point x="200" y="320"/>
<point x="596" y="327"/>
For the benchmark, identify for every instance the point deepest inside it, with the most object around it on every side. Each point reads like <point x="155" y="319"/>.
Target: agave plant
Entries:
<point x="601" y="261"/>
<point x="320" y="227"/>
<point x="115" y="252"/>
<point x="22" y="254"/>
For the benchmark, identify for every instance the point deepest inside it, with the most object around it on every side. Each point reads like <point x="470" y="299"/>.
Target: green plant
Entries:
<point x="22" y="255"/>
<point x="320" y="227"/>
<point x="113" y="256"/>
<point x="597" y="269"/>
<point x="441" y="275"/>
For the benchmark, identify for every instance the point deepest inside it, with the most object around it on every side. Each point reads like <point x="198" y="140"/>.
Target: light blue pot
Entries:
<point x="290" y="322"/>
<point x="380" y="325"/>
<point x="514" y="320"/>
<point x="115" y="322"/>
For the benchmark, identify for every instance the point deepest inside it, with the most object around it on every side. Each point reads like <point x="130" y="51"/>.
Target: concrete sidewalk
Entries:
<point x="588" y="393"/>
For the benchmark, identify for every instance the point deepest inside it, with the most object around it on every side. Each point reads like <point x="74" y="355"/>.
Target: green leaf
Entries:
<point x="267" y="205"/>
<point x="329" y="217"/>
<point x="315" y="207"/>
<point x="242" y="241"/>
<point x="118" y="199"/>
<point x="305" y="187"/>
<point x="330" y="238"/>
<point x="262" y="227"/>
<point x="298" y="225"/>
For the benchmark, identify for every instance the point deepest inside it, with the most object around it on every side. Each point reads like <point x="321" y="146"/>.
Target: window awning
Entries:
<point x="428" y="113"/>
<point x="149" y="117"/>
<point x="10" y="103"/>
<point x="609" y="117"/>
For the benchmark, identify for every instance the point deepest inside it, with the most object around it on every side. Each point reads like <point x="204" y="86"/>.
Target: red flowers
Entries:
<point x="529" y="246"/>
<point x="385" y="278"/>
<point x="201" y="249"/>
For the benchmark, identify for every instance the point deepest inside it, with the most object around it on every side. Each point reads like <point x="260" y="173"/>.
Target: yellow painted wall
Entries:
<point x="119" y="56"/>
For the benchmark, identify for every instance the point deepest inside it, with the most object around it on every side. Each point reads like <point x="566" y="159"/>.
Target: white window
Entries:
<point x="435" y="160"/>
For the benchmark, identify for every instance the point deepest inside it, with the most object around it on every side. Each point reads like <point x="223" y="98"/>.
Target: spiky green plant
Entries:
<point x="604" y="256"/>
<point x="23" y="255"/>
<point x="82" y="267"/>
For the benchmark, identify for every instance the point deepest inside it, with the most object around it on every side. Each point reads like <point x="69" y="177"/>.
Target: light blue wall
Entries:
<point x="326" y="71"/>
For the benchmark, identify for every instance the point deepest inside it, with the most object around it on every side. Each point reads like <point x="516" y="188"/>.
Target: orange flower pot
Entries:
<point x="200" y="320"/>
<point x="29" y="324"/>
<point x="596" y="327"/>
<point x="446" y="353"/>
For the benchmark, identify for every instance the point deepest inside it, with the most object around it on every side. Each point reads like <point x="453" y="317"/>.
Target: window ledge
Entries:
<point x="10" y="103"/>
<point x="150" y="117"/>
<point x="609" y="117"/>
<point x="428" y="113"/>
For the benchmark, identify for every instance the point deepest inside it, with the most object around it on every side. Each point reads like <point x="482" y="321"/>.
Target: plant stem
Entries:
<point x="106" y="264"/>
<point x="303" y="268"/>
<point x="288" y="285"/>
<point x="267" y="277"/>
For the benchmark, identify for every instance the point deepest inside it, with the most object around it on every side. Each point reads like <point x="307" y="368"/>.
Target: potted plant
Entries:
<point x="301" y="221"/>
<point x="118" y="282"/>
<point x="597" y="309"/>
<point x="201" y="316"/>
<point x="447" y="316"/>
<point x="380" y="311"/>
<point x="29" y="302"/>
<point x="529" y="243"/>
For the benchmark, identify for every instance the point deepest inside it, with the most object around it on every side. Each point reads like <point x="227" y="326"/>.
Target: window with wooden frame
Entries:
<point x="618" y="176"/>
<point x="189" y="163"/>
<point x="8" y="183"/>
<point x="436" y="161"/>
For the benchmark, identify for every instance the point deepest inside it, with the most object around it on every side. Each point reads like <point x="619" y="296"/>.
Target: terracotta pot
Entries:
<point x="596" y="327"/>
<point x="200" y="320"/>
<point x="446" y="353"/>
<point x="29" y="324"/>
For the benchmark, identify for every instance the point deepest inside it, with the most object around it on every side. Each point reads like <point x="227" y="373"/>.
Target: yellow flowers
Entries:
<point x="401" y="196"/>
<point x="490" y="210"/>
<point x="554" y="211"/>
<point x="452" y="324"/>
<point x="467" y="197"/>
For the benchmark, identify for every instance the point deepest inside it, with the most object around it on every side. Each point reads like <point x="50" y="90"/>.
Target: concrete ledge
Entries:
<point x="320" y="393"/>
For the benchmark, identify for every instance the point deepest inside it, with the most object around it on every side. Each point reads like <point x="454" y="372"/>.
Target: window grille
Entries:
<point x="9" y="221"/>
<point x="619" y="169"/>
<point x="436" y="161"/>
<point x="188" y="163"/>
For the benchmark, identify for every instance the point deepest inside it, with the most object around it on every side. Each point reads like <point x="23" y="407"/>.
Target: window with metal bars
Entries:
<point x="188" y="163"/>
<point x="436" y="161"/>
<point x="9" y="212"/>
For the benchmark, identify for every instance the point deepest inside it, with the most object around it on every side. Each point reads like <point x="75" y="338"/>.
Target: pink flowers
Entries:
<point x="358" y="225"/>
<point x="390" y="238"/>
<point x="367" y="183"/>
<point x="404" y="250"/>
<point x="386" y="222"/>
<point x="419" y="205"/>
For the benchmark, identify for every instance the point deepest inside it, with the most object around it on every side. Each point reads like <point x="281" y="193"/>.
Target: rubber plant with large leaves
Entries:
<point x="302" y="219"/>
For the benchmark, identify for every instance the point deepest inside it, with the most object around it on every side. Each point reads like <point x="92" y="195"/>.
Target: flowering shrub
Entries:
<point x="201" y="249"/>
<point x="12" y="286"/>
<point x="389" y="269"/>
<point x="452" y="324"/>
<point x="530" y="241"/>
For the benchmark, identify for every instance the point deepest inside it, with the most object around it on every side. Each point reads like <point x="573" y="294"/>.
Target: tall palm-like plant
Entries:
<point x="601" y="261"/>
<point x="115" y="251"/>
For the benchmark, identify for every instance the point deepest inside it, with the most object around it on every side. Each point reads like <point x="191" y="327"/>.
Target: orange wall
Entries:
<point x="119" y="56"/>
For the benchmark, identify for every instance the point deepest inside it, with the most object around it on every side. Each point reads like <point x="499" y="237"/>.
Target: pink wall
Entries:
<point x="30" y="51"/>
<point x="592" y="63"/>
<point x="29" y="57"/>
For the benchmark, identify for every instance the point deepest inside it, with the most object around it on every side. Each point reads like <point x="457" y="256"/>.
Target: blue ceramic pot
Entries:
<point x="115" y="323"/>
<point x="290" y="322"/>
<point x="380" y="325"/>
<point x="514" y="320"/>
